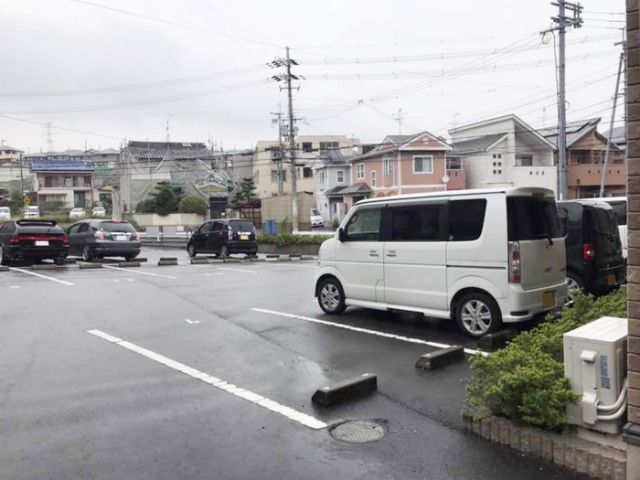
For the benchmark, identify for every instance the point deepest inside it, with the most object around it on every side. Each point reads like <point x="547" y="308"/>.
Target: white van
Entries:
<point x="32" y="211"/>
<point x="481" y="257"/>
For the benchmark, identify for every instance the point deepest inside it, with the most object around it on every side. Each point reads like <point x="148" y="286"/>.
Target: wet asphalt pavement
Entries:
<point x="76" y="405"/>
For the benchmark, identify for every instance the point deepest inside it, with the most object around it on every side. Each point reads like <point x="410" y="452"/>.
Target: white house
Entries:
<point x="504" y="152"/>
<point x="332" y="174"/>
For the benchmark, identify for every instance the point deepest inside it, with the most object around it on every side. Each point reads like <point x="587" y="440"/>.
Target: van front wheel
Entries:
<point x="331" y="296"/>
<point x="477" y="313"/>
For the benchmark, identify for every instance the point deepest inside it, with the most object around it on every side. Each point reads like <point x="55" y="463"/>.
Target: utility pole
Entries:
<point x="278" y="160"/>
<point x="287" y="62"/>
<point x="613" y="116"/>
<point x="563" y="21"/>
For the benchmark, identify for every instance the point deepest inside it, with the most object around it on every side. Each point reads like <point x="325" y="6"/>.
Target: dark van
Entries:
<point x="224" y="236"/>
<point x="594" y="249"/>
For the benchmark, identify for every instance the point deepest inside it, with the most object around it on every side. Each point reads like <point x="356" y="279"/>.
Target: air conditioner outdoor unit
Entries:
<point x="595" y="362"/>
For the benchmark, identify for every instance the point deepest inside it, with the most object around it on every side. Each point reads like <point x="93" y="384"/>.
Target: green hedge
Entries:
<point x="525" y="381"/>
<point x="285" y="239"/>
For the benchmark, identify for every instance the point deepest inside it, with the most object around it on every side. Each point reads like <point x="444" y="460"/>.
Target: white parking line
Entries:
<point x="128" y="270"/>
<point x="14" y="286"/>
<point x="237" y="270"/>
<point x="192" y="322"/>
<point x="290" y="413"/>
<point x="39" y="275"/>
<point x="402" y="338"/>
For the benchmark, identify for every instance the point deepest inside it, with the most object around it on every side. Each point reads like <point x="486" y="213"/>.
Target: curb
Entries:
<point x="440" y="358"/>
<point x="346" y="390"/>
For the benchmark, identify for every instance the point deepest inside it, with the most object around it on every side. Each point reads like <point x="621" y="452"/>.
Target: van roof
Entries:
<point x="604" y="199"/>
<point x="591" y="202"/>
<point x="510" y="192"/>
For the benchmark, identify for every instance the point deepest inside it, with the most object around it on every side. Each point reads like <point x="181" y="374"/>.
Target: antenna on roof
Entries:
<point x="398" y="118"/>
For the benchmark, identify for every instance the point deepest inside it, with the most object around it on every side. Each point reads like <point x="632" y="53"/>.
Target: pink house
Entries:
<point x="408" y="164"/>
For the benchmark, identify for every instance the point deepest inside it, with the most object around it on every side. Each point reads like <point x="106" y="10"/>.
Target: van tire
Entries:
<point x="573" y="282"/>
<point x="472" y="322"/>
<point x="331" y="296"/>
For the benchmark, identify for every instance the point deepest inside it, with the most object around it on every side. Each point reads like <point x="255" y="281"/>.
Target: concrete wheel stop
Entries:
<point x="346" y="390"/>
<point x="497" y="340"/>
<point x="440" y="358"/>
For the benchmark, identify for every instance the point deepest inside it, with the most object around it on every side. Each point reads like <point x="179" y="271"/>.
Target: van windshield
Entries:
<point x="532" y="218"/>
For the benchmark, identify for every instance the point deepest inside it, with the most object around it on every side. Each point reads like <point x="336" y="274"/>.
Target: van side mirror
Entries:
<point x="342" y="236"/>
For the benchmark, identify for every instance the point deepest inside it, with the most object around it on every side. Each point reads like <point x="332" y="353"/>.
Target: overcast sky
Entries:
<point x="100" y="76"/>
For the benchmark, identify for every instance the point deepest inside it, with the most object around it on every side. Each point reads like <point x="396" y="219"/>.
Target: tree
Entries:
<point x="192" y="204"/>
<point x="245" y="195"/>
<point x="15" y="203"/>
<point x="166" y="198"/>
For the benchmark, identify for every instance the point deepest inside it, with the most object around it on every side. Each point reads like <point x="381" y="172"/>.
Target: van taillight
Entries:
<point x="230" y="233"/>
<point x="515" y="273"/>
<point x="589" y="252"/>
<point x="14" y="240"/>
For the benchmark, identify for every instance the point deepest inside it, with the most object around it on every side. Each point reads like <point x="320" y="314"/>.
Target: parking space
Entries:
<point x="208" y="371"/>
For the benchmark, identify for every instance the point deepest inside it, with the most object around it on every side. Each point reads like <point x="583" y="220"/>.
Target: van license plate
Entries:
<point x="548" y="300"/>
<point x="41" y="243"/>
<point x="611" y="279"/>
<point x="244" y="237"/>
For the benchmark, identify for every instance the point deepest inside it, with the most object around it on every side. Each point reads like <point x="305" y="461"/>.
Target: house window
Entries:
<point x="524" y="160"/>
<point x="323" y="177"/>
<point x="339" y="176"/>
<point x="360" y="171"/>
<point x="307" y="172"/>
<point x="388" y="167"/>
<point x="423" y="164"/>
<point x="374" y="182"/>
<point x="324" y="146"/>
<point x="454" y="163"/>
<point x="307" y="147"/>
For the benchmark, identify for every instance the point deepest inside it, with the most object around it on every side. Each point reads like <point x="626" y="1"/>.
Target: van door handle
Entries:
<point x="373" y="253"/>
<point x="391" y="253"/>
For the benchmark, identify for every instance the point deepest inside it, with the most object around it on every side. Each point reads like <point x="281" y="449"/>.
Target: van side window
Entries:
<point x="206" y="227"/>
<point x="620" y="209"/>
<point x="364" y="225"/>
<point x="532" y="218"/>
<point x="416" y="223"/>
<point x="466" y="219"/>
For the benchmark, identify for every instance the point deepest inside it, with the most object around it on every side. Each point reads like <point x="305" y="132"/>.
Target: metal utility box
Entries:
<point x="595" y="362"/>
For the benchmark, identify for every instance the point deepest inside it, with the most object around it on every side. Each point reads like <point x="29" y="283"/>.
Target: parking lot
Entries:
<point x="207" y="371"/>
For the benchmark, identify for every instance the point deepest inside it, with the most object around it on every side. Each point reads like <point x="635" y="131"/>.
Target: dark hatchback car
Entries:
<point x="103" y="238"/>
<point x="594" y="249"/>
<point x="223" y="237"/>
<point x="32" y="241"/>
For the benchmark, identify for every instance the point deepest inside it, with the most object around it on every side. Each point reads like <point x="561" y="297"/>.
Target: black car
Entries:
<point x="594" y="249"/>
<point x="223" y="237"/>
<point x="103" y="238"/>
<point x="32" y="241"/>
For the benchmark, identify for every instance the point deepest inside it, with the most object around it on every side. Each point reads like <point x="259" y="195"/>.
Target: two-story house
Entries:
<point x="271" y="165"/>
<point x="64" y="184"/>
<point x="504" y="152"/>
<point x="332" y="174"/>
<point x="586" y="149"/>
<point x="11" y="171"/>
<point x="407" y="164"/>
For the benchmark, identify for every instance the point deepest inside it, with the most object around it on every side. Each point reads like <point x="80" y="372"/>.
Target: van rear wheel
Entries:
<point x="477" y="313"/>
<point x="331" y="297"/>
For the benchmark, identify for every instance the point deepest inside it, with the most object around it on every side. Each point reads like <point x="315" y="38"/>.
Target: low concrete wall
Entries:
<point x="173" y="219"/>
<point x="567" y="450"/>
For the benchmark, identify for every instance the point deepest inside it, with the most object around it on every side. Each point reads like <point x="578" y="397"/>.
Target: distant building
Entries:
<point x="11" y="161"/>
<point x="586" y="149"/>
<point x="266" y="169"/>
<point x="332" y="174"/>
<point x="504" y="152"/>
<point x="618" y="137"/>
<point x="190" y="167"/>
<point x="64" y="184"/>
<point x="403" y="164"/>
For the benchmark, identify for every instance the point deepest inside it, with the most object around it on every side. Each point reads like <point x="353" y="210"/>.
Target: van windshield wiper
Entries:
<point x="544" y="235"/>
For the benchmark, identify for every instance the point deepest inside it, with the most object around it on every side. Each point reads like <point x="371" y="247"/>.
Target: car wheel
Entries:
<point x="331" y="296"/>
<point x="574" y="285"/>
<point x="128" y="258"/>
<point x="4" y="259"/>
<point x="191" y="250"/>
<point x="477" y="314"/>
<point x="59" y="261"/>
<point x="224" y="252"/>
<point x="87" y="254"/>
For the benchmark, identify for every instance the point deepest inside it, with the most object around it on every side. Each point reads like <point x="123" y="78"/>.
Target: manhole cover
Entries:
<point x="358" y="432"/>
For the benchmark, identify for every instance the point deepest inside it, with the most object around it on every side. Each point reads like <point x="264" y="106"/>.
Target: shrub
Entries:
<point x="286" y="239"/>
<point x="192" y="204"/>
<point x="525" y="381"/>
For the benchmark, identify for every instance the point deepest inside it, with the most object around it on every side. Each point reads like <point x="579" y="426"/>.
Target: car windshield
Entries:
<point x="116" y="227"/>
